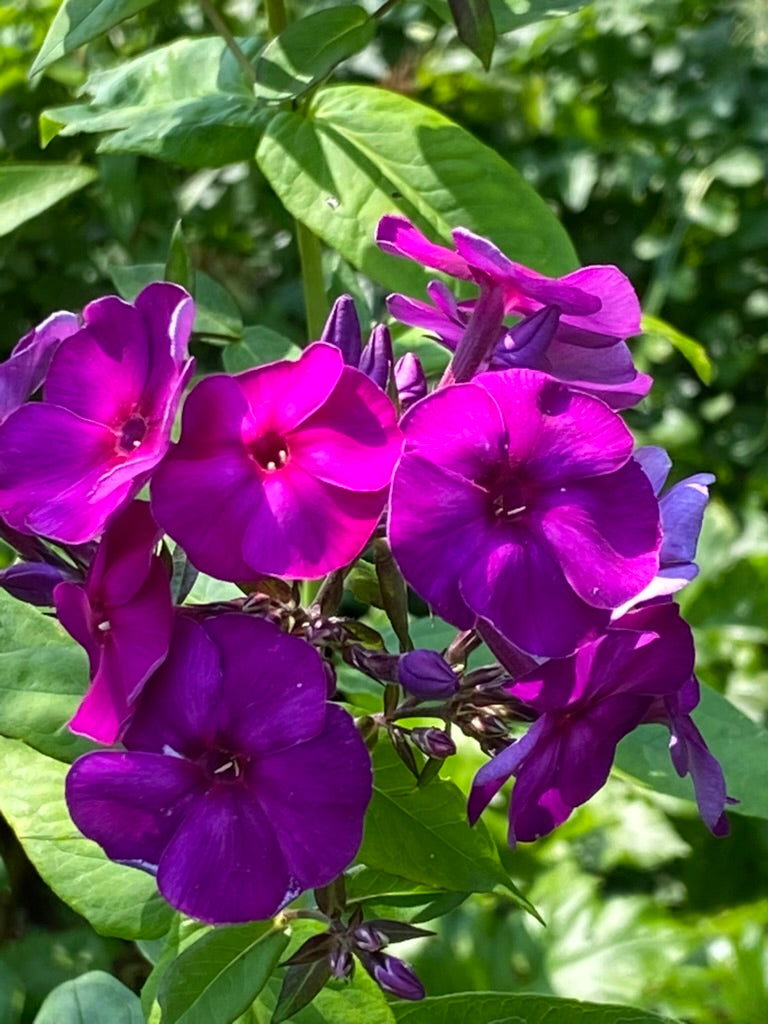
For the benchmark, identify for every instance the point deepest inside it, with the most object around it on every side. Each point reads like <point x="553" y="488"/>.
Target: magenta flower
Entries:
<point x="586" y="704"/>
<point x="109" y="400"/>
<point x="240" y="786"/>
<point x="573" y="327"/>
<point x="517" y="501"/>
<point x="123" y="617"/>
<point x="282" y="470"/>
<point x="23" y="373"/>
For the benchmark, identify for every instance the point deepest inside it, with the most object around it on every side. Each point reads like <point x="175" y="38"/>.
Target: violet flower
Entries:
<point x="23" y="373"/>
<point x="109" y="400"/>
<point x="282" y="470"/>
<point x="240" y="786"/>
<point x="517" y="501"/>
<point x="586" y="703"/>
<point x="573" y="327"/>
<point x="123" y="616"/>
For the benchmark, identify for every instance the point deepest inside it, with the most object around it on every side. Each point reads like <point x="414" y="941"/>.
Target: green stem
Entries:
<point x="277" y="17"/>
<point x="221" y="27"/>
<point x="315" y="302"/>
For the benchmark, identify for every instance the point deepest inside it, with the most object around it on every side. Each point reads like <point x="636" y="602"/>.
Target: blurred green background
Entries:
<point x="644" y="123"/>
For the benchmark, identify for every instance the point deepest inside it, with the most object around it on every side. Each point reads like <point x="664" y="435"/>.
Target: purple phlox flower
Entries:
<point x="410" y="380"/>
<point x="691" y="755"/>
<point x="122" y="615"/>
<point x="573" y="327"/>
<point x="34" y="582"/>
<point x="586" y="704"/>
<point x="517" y="501"/>
<point x="109" y="400"/>
<point x="282" y="470"/>
<point x="23" y="373"/>
<point x="240" y="786"/>
<point x="426" y="675"/>
<point x="682" y="512"/>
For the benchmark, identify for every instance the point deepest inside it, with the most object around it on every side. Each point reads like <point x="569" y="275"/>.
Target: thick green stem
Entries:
<point x="315" y="302"/>
<point x="277" y="16"/>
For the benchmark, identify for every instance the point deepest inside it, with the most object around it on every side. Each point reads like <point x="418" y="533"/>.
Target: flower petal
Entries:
<point x="398" y="236"/>
<point x="282" y="395"/>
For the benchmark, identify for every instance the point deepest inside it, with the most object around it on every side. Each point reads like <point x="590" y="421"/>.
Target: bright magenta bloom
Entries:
<point x="282" y="470"/>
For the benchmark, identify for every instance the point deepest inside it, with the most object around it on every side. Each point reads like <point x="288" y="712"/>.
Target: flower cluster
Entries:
<point x="510" y="499"/>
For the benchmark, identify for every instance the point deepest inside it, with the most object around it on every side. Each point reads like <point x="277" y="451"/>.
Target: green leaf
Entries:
<point x="739" y="744"/>
<point x="309" y="49"/>
<point x="500" y="1008"/>
<point x="43" y="677"/>
<point x="11" y="995"/>
<point x="359" y="152"/>
<point x="387" y="895"/>
<point x="178" y="267"/>
<point x="301" y="983"/>
<point x="509" y="15"/>
<point x="220" y="975"/>
<point x="423" y="834"/>
<point x="692" y="350"/>
<point x="79" y="21"/>
<point x="93" y="998"/>
<point x="28" y="189"/>
<point x="116" y="900"/>
<point x="216" y="313"/>
<point x="259" y="345"/>
<point x="187" y="103"/>
<point x="474" y="23"/>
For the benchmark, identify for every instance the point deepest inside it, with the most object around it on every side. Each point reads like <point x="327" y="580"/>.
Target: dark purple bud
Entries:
<point x="397" y="931"/>
<point x="341" y="962"/>
<point x="410" y="380"/>
<point x="369" y="939"/>
<point x="317" y="947"/>
<point x="330" y="678"/>
<point x="486" y="677"/>
<point x="425" y="674"/>
<point x="378" y="665"/>
<point x="34" y="582"/>
<point x="393" y="975"/>
<point x="377" y="358"/>
<point x="525" y="343"/>
<point x="342" y="329"/>
<point x="433" y="742"/>
<point x="332" y="898"/>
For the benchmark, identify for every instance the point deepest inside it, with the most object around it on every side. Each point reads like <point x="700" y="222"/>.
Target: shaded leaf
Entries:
<point x="78" y="21"/>
<point x="116" y="900"/>
<point x="258" y="345"/>
<point x="301" y="984"/>
<point x="358" y="152"/>
<point x="178" y="267"/>
<point x="509" y="15"/>
<point x="500" y="1008"/>
<point x="474" y="23"/>
<point x="309" y="49"/>
<point x="29" y="189"/>
<point x="93" y="998"/>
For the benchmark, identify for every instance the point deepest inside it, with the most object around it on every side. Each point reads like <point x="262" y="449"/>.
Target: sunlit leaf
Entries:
<point x="28" y="189"/>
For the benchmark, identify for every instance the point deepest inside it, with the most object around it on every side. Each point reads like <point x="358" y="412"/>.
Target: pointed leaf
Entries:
<point x="474" y="23"/>
<point x="178" y="267"/>
<point x="79" y="21"/>
<point x="29" y="189"/>
<point x="309" y="49"/>
<point x="358" y="152"/>
<point x="500" y="1008"/>
<point x="116" y="900"/>
<point x="300" y="986"/>
<point x="691" y="350"/>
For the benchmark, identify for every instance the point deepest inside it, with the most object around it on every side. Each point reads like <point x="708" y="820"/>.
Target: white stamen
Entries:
<point x="104" y="626"/>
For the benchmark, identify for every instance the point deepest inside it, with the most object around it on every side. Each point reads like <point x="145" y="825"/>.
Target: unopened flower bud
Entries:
<point x="433" y="742"/>
<point x="376" y="359"/>
<point x="393" y="975"/>
<point x="34" y="582"/>
<point x="410" y="380"/>
<point x="342" y="329"/>
<point x="426" y="675"/>
<point x="341" y="962"/>
<point x="528" y="340"/>
<point x="378" y="665"/>
<point x="369" y="939"/>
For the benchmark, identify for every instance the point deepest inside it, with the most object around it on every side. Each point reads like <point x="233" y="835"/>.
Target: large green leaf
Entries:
<point x="737" y="742"/>
<point x="423" y="834"/>
<point x="220" y="975"/>
<point x="93" y="998"/>
<point x="359" y="152"/>
<point x="187" y="103"/>
<point x="309" y="49"/>
<point x="499" y="1008"/>
<point x="116" y="900"/>
<point x="43" y="676"/>
<point x="79" y="21"/>
<point x="28" y="189"/>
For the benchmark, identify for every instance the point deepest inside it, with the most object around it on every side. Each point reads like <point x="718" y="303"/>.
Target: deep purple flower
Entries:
<point x="517" y="501"/>
<point x="122" y="615"/>
<point x="109" y="400"/>
<point x="240" y="787"/>
<point x="682" y="512"/>
<point x="573" y="327"/>
<point x="282" y="470"/>
<point x="23" y="373"/>
<point x="586" y="703"/>
<point x="691" y="755"/>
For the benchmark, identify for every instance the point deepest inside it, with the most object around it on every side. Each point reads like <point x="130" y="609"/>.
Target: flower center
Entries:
<point x="223" y="766"/>
<point x="509" y="500"/>
<point x="132" y="433"/>
<point x="269" y="451"/>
